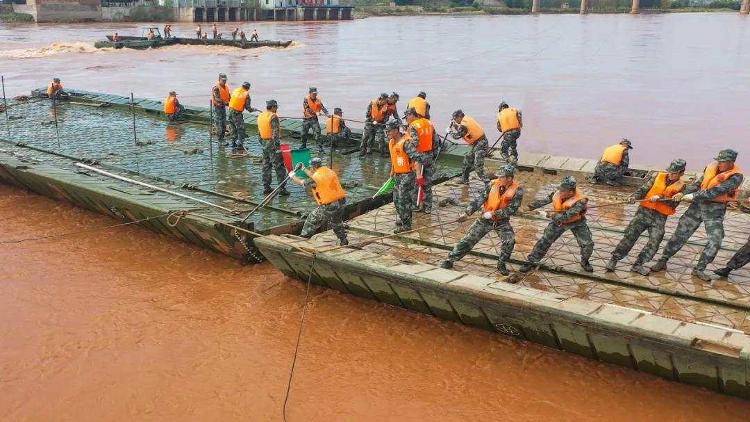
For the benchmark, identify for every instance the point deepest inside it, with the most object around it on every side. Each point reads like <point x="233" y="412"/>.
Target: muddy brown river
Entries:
<point x="124" y="324"/>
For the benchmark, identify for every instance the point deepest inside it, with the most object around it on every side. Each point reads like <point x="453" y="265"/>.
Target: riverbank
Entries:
<point x="13" y="17"/>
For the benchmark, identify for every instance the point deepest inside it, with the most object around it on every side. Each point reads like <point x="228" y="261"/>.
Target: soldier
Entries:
<point x="336" y="129"/>
<point x="391" y="109"/>
<point x="220" y="96"/>
<point x="55" y="89"/>
<point x="375" y="118"/>
<point x="463" y="126"/>
<point x="254" y="36"/>
<point x="215" y="31"/>
<point x="198" y="32"/>
<point x="656" y="205"/>
<point x="509" y="124"/>
<point x="239" y="102"/>
<point x="172" y="107"/>
<point x="330" y="196"/>
<point x="613" y="165"/>
<point x="312" y="107"/>
<point x="403" y="153"/>
<point x="268" y="130"/>
<point x="420" y="104"/>
<point x="421" y="130"/>
<point x="739" y="260"/>
<point x="501" y="199"/>
<point x="569" y="213"/>
<point x="709" y="196"/>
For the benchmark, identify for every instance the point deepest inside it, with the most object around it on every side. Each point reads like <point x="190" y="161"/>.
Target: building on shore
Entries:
<point x="184" y="10"/>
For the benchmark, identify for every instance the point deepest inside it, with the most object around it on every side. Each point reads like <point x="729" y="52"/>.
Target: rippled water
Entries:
<point x="126" y="324"/>
<point x="676" y="84"/>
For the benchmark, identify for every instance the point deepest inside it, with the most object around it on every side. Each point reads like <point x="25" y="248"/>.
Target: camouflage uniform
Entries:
<point x="220" y="113"/>
<point x="374" y="133"/>
<point x="482" y="226"/>
<point x="237" y="127"/>
<point x="427" y="160"/>
<point x="701" y="210"/>
<point x="311" y="123"/>
<point x="554" y="230"/>
<point x="508" y="147"/>
<point x="606" y="172"/>
<point x="474" y="159"/>
<point x="272" y="157"/>
<point x="331" y="214"/>
<point x="644" y="219"/>
<point x="739" y="260"/>
<point x="403" y="197"/>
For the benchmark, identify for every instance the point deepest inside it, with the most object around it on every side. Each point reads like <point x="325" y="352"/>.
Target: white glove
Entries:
<point x="655" y="198"/>
<point x="688" y="197"/>
<point x="292" y="173"/>
<point x="487" y="215"/>
<point x="449" y="129"/>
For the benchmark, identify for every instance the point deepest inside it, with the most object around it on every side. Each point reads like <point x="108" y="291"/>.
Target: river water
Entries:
<point x="126" y="324"/>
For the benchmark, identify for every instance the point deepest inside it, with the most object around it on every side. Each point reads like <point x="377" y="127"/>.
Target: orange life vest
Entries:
<point x="560" y="206"/>
<point x="474" y="131"/>
<point x="315" y="105"/>
<point x="508" y="119"/>
<point x="333" y="125"/>
<point x="265" y="130"/>
<point x="665" y="191"/>
<point x="419" y="105"/>
<point x="377" y="112"/>
<point x="327" y="188"/>
<point x="223" y="93"/>
<point x="238" y="99"/>
<point x="53" y="87"/>
<point x="425" y="133"/>
<point x="400" y="161"/>
<point x="497" y="200"/>
<point x="712" y="178"/>
<point x="614" y="154"/>
<point x="170" y="105"/>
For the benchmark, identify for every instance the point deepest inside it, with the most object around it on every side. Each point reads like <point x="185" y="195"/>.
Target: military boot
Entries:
<point x="447" y="264"/>
<point x="525" y="268"/>
<point x="723" y="272"/>
<point x="660" y="265"/>
<point x="640" y="269"/>
<point x="502" y="269"/>
<point x="701" y="274"/>
<point x="611" y="265"/>
<point x="587" y="266"/>
<point x="284" y="192"/>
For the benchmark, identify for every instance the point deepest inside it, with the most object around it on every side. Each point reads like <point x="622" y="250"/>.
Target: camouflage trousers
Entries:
<point x="608" y="173"/>
<point x="478" y="230"/>
<point x="403" y="197"/>
<point x="712" y="217"/>
<point x="508" y="147"/>
<point x="428" y="172"/>
<point x="374" y="137"/>
<point x="337" y="139"/>
<point x="176" y="115"/>
<point x="237" y="126"/>
<point x="645" y="219"/>
<point x="324" y="215"/>
<point x="220" y="121"/>
<point x="553" y="231"/>
<point x="309" y="124"/>
<point x="741" y="258"/>
<point x="474" y="159"/>
<point x="272" y="160"/>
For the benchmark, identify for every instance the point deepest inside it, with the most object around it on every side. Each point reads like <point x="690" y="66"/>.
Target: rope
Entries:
<point x="128" y="223"/>
<point x="299" y="338"/>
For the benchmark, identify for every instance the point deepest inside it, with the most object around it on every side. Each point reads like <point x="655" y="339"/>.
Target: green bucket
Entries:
<point x="301" y="155"/>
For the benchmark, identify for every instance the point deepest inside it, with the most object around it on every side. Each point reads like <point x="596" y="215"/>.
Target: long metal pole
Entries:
<point x="150" y="186"/>
<point x="5" y="104"/>
<point x="54" y="113"/>
<point x="270" y="196"/>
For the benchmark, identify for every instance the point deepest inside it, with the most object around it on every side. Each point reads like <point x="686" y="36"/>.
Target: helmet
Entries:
<point x="246" y="85"/>
<point x="506" y="171"/>
<point x="271" y="104"/>
<point x="502" y="104"/>
<point x="727" y="155"/>
<point x="568" y="183"/>
<point x="393" y="124"/>
<point x="312" y="89"/>
<point x="422" y="95"/>
<point x="677" y="166"/>
<point x="458" y="113"/>
<point x="316" y="162"/>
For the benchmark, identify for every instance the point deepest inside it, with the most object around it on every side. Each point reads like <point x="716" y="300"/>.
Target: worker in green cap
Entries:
<point x="569" y="213"/>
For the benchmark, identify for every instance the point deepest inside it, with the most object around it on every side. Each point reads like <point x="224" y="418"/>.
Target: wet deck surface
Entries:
<point x="171" y="155"/>
<point x="675" y="293"/>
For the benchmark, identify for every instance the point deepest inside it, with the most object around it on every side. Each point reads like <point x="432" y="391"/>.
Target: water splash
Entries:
<point x="51" y="50"/>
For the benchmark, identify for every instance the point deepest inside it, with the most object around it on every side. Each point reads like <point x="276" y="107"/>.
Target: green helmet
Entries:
<point x="568" y="183"/>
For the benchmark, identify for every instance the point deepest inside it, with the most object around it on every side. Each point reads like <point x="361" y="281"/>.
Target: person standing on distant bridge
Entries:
<point x="254" y="36"/>
<point x="234" y="33"/>
<point x="215" y="31"/>
<point x="198" y="32"/>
